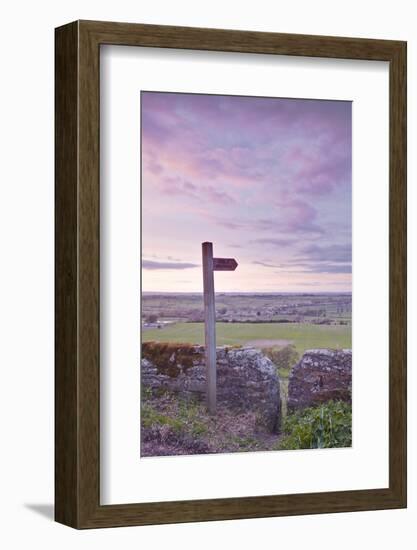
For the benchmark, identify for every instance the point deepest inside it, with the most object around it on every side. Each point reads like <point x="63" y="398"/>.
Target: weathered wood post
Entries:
<point x="209" y="326"/>
<point x="210" y="265"/>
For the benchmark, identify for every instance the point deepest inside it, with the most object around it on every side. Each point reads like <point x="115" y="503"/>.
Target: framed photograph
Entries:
<point x="230" y="274"/>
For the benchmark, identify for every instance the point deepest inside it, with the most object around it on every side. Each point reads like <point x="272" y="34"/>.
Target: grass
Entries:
<point x="172" y="425"/>
<point x="185" y="418"/>
<point x="305" y="336"/>
<point x="151" y="416"/>
<point x="284" y="375"/>
<point x="328" y="425"/>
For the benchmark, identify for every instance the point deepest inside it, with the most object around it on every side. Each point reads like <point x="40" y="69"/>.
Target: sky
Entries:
<point x="266" y="180"/>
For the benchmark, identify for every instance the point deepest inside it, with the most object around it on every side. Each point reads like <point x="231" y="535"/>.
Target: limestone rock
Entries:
<point x="321" y="375"/>
<point x="246" y="379"/>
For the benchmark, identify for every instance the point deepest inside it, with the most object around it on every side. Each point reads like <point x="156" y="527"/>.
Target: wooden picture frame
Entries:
<point x="77" y="372"/>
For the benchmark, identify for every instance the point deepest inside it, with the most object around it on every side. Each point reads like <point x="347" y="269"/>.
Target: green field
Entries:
<point x="303" y="335"/>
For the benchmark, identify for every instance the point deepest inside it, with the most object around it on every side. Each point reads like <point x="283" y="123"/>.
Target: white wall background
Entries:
<point x="26" y="272"/>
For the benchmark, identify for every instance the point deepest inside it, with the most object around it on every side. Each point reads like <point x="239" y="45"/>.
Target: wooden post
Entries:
<point x="209" y="325"/>
<point x="210" y="265"/>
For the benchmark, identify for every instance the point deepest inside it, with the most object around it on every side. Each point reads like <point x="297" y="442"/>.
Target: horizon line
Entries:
<point x="248" y="292"/>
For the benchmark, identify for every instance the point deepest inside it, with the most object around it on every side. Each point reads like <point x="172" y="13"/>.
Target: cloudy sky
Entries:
<point x="267" y="180"/>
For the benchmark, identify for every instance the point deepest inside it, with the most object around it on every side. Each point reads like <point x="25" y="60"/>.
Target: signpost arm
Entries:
<point x="210" y="325"/>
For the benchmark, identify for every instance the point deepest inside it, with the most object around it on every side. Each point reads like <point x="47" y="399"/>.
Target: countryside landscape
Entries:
<point x="264" y="320"/>
<point x="281" y="326"/>
<point x="246" y="274"/>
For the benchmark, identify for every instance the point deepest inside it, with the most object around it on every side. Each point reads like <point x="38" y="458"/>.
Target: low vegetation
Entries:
<point x="284" y="359"/>
<point x="329" y="425"/>
<point x="171" y="425"/>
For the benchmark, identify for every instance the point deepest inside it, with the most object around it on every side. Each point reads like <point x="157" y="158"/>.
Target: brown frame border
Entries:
<point x="77" y="274"/>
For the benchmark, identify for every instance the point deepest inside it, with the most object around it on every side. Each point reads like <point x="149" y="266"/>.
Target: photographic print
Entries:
<point x="203" y="272"/>
<point x="246" y="274"/>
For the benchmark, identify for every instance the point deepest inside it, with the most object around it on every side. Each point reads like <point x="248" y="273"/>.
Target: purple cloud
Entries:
<point x="150" y="264"/>
<point x="175" y="185"/>
<point x="274" y="242"/>
<point x="265" y="264"/>
<point x="274" y="172"/>
<point x="332" y="253"/>
<point x="319" y="268"/>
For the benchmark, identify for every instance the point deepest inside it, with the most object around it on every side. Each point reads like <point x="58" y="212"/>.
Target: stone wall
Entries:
<point x="321" y="375"/>
<point x="246" y="379"/>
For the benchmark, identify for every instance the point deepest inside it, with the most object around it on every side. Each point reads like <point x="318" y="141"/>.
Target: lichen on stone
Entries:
<point x="170" y="359"/>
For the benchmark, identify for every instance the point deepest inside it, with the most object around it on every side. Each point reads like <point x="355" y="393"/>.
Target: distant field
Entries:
<point x="303" y="335"/>
<point x="311" y="308"/>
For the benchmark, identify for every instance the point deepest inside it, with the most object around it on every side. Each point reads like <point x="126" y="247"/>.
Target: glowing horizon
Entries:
<point x="267" y="180"/>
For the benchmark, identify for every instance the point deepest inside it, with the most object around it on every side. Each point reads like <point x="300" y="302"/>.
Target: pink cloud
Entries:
<point x="248" y="169"/>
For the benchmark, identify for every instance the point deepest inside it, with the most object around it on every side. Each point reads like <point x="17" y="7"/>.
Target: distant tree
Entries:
<point x="223" y="310"/>
<point x="152" y="318"/>
<point x="258" y="313"/>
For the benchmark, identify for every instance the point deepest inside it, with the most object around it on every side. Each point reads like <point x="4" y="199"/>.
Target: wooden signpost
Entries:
<point x="210" y="265"/>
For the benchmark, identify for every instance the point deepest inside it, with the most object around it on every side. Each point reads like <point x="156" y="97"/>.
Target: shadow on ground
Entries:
<point x="45" y="510"/>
